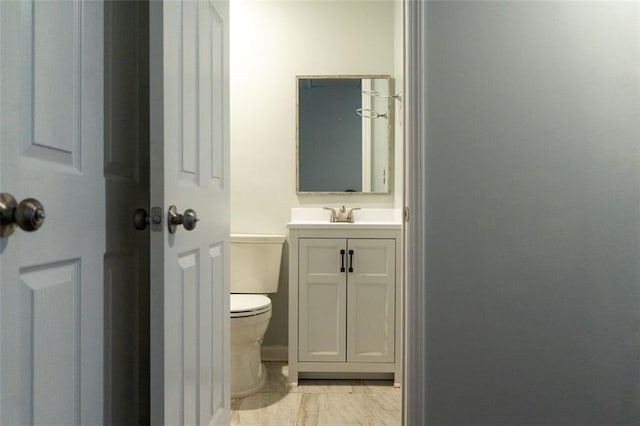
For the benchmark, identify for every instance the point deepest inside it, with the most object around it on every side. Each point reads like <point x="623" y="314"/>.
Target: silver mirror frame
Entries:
<point x="390" y="133"/>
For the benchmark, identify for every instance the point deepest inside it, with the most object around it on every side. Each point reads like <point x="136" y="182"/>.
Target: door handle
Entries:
<point x="141" y="219"/>
<point x="342" y="261"/>
<point x="350" y="260"/>
<point x="188" y="219"/>
<point x="29" y="214"/>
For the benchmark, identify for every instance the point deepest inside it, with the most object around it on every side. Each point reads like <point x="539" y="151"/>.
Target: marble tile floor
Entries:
<point x="318" y="402"/>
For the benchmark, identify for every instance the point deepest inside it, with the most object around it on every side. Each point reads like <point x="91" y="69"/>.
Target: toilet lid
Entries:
<point x="243" y="305"/>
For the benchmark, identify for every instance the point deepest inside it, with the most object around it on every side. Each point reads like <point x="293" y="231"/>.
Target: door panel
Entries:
<point x="188" y="265"/>
<point x="214" y="114"/>
<point x="213" y="396"/>
<point x="371" y="301"/>
<point x="49" y="304"/>
<point x="189" y="44"/>
<point x="322" y="293"/>
<point x="189" y="154"/>
<point x="51" y="149"/>
<point x="55" y="58"/>
<point x="126" y="335"/>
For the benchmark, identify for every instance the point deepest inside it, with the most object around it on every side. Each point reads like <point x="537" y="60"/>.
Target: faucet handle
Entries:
<point x="350" y="215"/>
<point x="334" y="215"/>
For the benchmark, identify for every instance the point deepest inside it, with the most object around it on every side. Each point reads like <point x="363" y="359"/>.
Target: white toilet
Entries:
<point x="255" y="270"/>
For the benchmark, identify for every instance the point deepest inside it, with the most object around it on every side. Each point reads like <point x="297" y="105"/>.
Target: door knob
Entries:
<point x="141" y="219"/>
<point x="188" y="219"/>
<point x="29" y="214"/>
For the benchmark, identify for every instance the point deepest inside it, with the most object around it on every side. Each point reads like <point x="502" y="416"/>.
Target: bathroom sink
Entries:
<point x="317" y="217"/>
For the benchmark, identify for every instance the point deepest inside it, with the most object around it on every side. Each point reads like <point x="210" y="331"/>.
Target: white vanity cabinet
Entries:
<point x="344" y="301"/>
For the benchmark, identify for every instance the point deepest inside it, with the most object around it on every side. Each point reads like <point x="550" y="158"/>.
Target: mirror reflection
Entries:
<point x="344" y="134"/>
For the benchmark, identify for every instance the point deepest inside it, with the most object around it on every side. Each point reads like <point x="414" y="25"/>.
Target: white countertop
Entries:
<point x="317" y="217"/>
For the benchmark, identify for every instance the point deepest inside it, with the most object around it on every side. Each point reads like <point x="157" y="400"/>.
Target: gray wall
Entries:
<point x="533" y="212"/>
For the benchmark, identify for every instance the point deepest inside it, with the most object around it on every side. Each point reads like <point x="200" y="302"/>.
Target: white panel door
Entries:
<point x="51" y="149"/>
<point x="322" y="299"/>
<point x="371" y="300"/>
<point x="189" y="95"/>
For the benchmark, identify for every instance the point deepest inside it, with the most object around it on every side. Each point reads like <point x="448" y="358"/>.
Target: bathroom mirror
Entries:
<point x="344" y="134"/>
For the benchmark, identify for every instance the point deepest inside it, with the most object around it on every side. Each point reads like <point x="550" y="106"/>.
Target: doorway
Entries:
<point x="272" y="43"/>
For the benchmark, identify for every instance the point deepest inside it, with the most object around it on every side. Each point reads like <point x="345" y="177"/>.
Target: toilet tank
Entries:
<point x="255" y="263"/>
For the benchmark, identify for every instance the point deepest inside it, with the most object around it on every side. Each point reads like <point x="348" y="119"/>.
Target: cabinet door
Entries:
<point x="322" y="300"/>
<point x="371" y="300"/>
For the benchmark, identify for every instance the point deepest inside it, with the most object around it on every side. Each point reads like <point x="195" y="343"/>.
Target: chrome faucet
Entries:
<point x="342" y="215"/>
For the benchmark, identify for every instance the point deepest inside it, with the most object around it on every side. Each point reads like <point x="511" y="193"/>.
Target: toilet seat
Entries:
<point x="247" y="305"/>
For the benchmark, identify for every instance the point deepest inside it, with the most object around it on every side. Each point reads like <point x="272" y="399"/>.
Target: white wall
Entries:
<point x="271" y="43"/>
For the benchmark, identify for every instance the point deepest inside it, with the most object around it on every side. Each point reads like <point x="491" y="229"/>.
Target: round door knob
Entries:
<point x="140" y="219"/>
<point x="188" y="219"/>
<point x="29" y="214"/>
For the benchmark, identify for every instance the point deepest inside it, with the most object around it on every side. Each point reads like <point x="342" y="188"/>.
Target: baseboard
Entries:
<point x="275" y="353"/>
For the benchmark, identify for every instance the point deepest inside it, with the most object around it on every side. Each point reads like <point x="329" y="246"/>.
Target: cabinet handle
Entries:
<point x="342" y="261"/>
<point x="350" y="260"/>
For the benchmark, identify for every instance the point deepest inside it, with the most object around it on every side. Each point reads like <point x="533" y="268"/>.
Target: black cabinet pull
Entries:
<point x="342" y="260"/>
<point x="350" y="260"/>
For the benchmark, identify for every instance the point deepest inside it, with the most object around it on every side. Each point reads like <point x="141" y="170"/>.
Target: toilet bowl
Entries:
<point x="255" y="270"/>
<point x="250" y="315"/>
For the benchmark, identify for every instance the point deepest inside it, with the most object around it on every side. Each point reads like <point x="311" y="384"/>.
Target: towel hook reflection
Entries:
<point x="375" y="93"/>
<point x="369" y="113"/>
